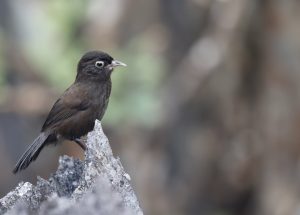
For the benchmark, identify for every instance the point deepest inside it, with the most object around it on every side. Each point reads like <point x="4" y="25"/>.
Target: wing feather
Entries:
<point x="68" y="105"/>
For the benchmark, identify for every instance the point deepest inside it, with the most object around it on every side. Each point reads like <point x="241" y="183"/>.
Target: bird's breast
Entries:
<point x="83" y="121"/>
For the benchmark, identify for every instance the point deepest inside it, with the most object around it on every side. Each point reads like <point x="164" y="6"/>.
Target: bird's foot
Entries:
<point x="80" y="143"/>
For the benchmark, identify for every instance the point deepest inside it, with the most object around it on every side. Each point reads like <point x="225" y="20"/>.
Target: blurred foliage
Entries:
<point x="135" y="89"/>
<point x="55" y="47"/>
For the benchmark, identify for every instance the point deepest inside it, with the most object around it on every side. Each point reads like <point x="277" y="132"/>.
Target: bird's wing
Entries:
<point x="68" y="105"/>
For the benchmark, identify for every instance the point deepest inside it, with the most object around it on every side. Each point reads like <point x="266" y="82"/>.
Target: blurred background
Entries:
<point x="205" y="117"/>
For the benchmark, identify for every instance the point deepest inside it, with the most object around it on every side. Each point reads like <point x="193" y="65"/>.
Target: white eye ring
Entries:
<point x="99" y="64"/>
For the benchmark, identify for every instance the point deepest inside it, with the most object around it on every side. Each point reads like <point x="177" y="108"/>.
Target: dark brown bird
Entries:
<point x="73" y="115"/>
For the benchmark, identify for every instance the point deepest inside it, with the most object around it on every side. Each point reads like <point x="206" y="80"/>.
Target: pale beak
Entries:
<point x="116" y="63"/>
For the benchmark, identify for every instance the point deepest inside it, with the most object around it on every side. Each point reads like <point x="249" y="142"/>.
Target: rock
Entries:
<point x="97" y="185"/>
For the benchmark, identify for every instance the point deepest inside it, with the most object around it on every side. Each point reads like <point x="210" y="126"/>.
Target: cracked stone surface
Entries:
<point x="97" y="185"/>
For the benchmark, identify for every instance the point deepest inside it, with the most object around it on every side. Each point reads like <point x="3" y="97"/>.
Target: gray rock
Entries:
<point x="97" y="185"/>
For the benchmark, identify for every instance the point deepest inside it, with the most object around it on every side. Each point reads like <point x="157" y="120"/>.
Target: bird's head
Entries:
<point x="96" y="65"/>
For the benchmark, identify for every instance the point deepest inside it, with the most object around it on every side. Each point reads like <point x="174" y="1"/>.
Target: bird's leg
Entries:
<point x="80" y="143"/>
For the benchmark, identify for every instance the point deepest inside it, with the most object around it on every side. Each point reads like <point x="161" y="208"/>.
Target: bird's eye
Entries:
<point x="99" y="64"/>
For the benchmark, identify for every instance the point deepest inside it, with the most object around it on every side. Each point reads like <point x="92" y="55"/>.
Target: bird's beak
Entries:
<point x="116" y="63"/>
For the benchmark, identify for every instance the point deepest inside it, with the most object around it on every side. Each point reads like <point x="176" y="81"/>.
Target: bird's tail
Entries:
<point x="31" y="152"/>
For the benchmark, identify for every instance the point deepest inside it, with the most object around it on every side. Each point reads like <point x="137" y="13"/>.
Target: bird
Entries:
<point x="74" y="113"/>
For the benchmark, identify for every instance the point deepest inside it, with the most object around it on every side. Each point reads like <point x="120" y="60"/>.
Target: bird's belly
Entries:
<point x="77" y="126"/>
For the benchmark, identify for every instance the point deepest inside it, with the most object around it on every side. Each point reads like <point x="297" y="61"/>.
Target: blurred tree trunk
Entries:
<point x="232" y="145"/>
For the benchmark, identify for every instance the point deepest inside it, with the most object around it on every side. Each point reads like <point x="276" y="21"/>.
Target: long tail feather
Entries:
<point x="31" y="152"/>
